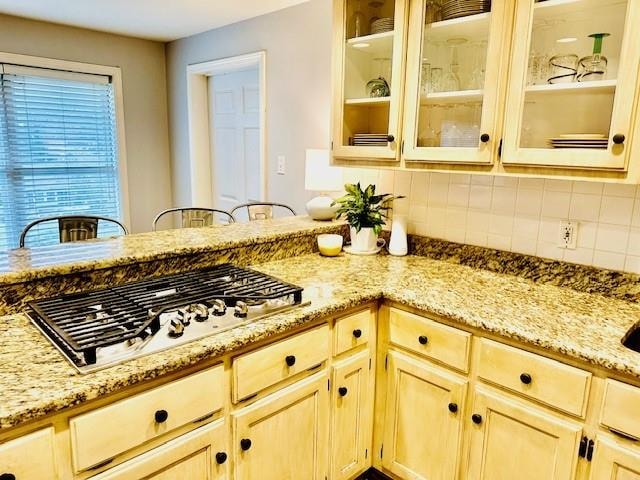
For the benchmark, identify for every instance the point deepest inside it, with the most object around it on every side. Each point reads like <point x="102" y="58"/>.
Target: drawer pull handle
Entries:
<point x="221" y="457"/>
<point x="453" y="407"/>
<point x="342" y="391"/>
<point x="476" y="418"/>
<point x="161" y="416"/>
<point x="357" y="333"/>
<point x="525" y="378"/>
<point x="245" y="444"/>
<point x="7" y="476"/>
<point x="423" y="339"/>
<point x="618" y="138"/>
<point x="291" y="360"/>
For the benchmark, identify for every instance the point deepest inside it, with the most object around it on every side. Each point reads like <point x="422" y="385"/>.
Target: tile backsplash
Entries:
<point x="518" y="214"/>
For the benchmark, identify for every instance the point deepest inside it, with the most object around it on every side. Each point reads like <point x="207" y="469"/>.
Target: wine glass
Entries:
<point x="593" y="67"/>
<point x="451" y="81"/>
<point x="358" y="21"/>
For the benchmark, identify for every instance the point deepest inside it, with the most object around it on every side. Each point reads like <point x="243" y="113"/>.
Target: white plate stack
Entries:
<point x="370" y="140"/>
<point x="463" y="8"/>
<point x="580" y="140"/>
<point x="382" y="25"/>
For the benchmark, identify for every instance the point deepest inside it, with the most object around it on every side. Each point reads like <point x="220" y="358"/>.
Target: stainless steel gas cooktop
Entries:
<point x="106" y="327"/>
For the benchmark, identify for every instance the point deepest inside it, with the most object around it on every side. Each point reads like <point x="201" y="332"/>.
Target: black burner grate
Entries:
<point x="81" y="323"/>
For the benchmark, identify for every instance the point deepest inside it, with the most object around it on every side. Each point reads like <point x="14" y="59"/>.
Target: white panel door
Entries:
<point x="234" y="123"/>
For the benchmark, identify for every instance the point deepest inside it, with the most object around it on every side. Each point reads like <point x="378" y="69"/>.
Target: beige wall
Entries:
<point x="145" y="100"/>
<point x="298" y="45"/>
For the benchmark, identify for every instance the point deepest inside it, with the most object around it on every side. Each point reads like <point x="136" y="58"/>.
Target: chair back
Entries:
<point x="262" y="210"/>
<point x="192" y="217"/>
<point x="73" y="228"/>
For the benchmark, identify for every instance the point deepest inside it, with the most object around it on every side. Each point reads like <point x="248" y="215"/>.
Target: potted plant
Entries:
<point x="365" y="213"/>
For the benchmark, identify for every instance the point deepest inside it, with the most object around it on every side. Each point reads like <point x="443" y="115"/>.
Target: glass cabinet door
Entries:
<point x="454" y="79"/>
<point x="368" y="57"/>
<point x="573" y="83"/>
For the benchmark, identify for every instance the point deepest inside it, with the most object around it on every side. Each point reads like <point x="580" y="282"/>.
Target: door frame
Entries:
<point x="200" y="156"/>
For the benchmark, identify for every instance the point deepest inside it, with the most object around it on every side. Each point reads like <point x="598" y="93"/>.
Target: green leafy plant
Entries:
<point x="363" y="208"/>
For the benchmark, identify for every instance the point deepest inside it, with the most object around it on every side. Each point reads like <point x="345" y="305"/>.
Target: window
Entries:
<point x="58" y="151"/>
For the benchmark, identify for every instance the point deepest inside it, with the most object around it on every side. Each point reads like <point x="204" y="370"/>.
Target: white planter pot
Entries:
<point x="365" y="240"/>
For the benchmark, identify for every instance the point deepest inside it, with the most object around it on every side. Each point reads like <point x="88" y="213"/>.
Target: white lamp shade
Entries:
<point x="319" y="175"/>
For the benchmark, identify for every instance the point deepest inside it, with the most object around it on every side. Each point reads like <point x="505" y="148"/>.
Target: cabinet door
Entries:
<point x="573" y="83"/>
<point x="368" y="55"/>
<point x="614" y="462"/>
<point x="285" y="435"/>
<point x="352" y="410"/>
<point x="422" y="431"/>
<point x="201" y="454"/>
<point x="456" y="61"/>
<point x="513" y="440"/>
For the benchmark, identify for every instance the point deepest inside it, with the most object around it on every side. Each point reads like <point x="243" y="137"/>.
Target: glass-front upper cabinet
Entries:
<point x="367" y="78"/>
<point x="456" y="57"/>
<point x="573" y="83"/>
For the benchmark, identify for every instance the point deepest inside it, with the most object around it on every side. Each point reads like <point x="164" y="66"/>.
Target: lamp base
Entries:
<point x="319" y="208"/>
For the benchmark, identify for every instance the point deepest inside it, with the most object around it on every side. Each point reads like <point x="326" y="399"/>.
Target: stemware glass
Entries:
<point x="433" y="11"/>
<point x="451" y="80"/>
<point x="476" y="81"/>
<point x="358" y="21"/>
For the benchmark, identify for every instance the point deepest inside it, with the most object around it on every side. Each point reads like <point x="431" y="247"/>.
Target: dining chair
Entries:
<point x="261" y="210"/>
<point x="195" y="217"/>
<point x="73" y="228"/>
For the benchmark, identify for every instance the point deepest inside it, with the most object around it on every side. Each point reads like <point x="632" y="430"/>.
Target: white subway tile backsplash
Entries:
<point x="556" y="204"/>
<point x="529" y="201"/>
<point x="519" y="214"/>
<point x="613" y="261"/>
<point x="585" y="207"/>
<point x="618" y="190"/>
<point x="612" y="238"/>
<point x="616" y="210"/>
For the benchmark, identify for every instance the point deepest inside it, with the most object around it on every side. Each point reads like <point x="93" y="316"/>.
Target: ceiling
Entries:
<point x="162" y="20"/>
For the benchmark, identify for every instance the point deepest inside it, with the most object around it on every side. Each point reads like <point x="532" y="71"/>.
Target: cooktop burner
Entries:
<point x="105" y="327"/>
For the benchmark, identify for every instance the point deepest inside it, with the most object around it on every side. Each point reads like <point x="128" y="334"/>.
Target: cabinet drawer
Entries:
<point x="621" y="408"/>
<point x="553" y="383"/>
<point x="269" y="365"/>
<point x="108" y="431"/>
<point x="431" y="339"/>
<point x="30" y="457"/>
<point x="352" y="331"/>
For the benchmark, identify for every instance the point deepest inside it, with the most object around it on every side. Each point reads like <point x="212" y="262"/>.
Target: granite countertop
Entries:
<point x="583" y="326"/>
<point x="27" y="264"/>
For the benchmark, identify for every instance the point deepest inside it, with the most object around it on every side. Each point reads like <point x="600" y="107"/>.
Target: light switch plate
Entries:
<point x="281" y="165"/>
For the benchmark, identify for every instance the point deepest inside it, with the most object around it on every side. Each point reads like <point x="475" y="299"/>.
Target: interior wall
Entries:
<point x="297" y="41"/>
<point x="145" y="99"/>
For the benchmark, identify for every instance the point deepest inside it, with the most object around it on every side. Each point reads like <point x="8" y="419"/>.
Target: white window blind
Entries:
<point x="58" y="151"/>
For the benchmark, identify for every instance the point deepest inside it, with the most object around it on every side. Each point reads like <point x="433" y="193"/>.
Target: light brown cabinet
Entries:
<point x="510" y="439"/>
<point x="200" y="454"/>
<point x="351" y="416"/>
<point x="612" y="461"/>
<point x="423" y="421"/>
<point x="546" y="88"/>
<point x="284" y="435"/>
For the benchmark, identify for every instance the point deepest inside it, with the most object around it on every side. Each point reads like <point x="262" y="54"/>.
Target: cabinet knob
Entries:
<point x="618" y="138"/>
<point x="390" y="138"/>
<point x="221" y="457"/>
<point x="423" y="339"/>
<point x="357" y="333"/>
<point x="525" y="378"/>
<point x="161" y="416"/>
<point x="484" y="138"/>
<point x="342" y="391"/>
<point x="291" y="360"/>
<point x="7" y="476"/>
<point x="453" y="407"/>
<point x="476" y="418"/>
<point x="245" y="444"/>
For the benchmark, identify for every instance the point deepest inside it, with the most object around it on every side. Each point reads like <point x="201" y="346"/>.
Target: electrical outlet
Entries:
<point x="568" y="235"/>
<point x="281" y="165"/>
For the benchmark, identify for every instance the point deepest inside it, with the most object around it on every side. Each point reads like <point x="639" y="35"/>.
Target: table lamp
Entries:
<point x="321" y="177"/>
